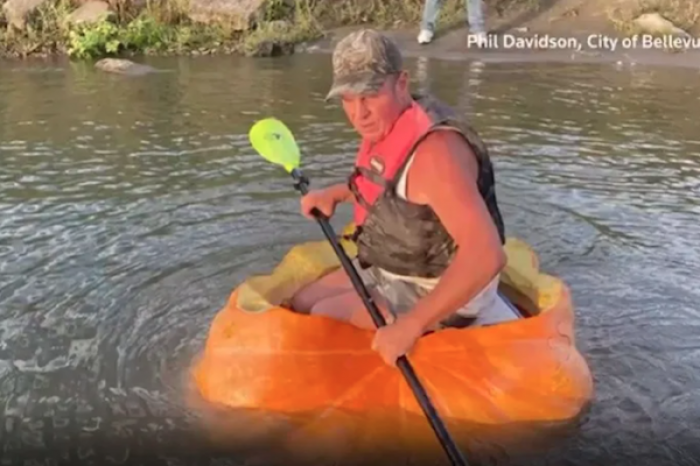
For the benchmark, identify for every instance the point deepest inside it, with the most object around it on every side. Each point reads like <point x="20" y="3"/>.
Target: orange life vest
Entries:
<point x="395" y="234"/>
<point x="376" y="164"/>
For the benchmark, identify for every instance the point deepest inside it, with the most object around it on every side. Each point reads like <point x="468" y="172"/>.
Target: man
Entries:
<point x="475" y="19"/>
<point x="430" y="233"/>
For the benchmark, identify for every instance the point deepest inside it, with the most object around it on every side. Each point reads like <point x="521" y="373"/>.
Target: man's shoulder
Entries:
<point x="445" y="141"/>
<point x="437" y="109"/>
<point x="445" y="149"/>
<point x="444" y="138"/>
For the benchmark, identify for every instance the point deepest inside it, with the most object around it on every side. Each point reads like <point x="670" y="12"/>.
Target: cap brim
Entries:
<point x="358" y="84"/>
<point x="336" y="90"/>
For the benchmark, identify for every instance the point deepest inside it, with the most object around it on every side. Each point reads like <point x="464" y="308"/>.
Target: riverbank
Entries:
<point x="96" y="29"/>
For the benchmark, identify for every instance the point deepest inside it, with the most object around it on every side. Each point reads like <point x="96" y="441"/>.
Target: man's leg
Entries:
<point x="348" y="307"/>
<point x="335" y="283"/>
<point x="431" y="8"/>
<point x="475" y="18"/>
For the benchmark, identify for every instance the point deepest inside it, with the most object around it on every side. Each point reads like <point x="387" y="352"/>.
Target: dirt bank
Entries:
<point x="95" y="28"/>
<point x="581" y="31"/>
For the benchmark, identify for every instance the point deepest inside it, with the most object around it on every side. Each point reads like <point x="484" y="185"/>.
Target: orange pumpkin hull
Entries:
<point x="261" y="356"/>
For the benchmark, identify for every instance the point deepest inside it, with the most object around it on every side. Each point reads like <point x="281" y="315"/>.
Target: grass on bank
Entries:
<point x="684" y="14"/>
<point x="163" y="27"/>
<point x="158" y="28"/>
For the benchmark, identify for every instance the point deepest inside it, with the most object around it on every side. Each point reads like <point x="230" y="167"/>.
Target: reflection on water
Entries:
<point x="130" y="208"/>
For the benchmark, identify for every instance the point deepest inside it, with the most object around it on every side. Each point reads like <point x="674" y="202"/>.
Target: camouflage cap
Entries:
<point x="362" y="60"/>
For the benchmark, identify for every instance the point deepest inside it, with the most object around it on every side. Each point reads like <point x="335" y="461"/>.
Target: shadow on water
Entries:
<point x="130" y="208"/>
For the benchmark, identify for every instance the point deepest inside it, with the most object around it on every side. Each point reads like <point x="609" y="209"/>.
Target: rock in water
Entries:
<point x="122" y="66"/>
<point x="241" y="14"/>
<point x="269" y="48"/>
<point x="270" y="41"/>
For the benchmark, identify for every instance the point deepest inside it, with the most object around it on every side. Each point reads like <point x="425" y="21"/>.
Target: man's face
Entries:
<point x="373" y="115"/>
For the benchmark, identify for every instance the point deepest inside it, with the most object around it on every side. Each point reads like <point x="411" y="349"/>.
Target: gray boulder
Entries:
<point x="122" y="66"/>
<point x="90" y="12"/>
<point x="17" y="12"/>
<point x="241" y="14"/>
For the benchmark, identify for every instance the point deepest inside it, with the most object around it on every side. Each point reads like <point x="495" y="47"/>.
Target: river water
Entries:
<point x="131" y="207"/>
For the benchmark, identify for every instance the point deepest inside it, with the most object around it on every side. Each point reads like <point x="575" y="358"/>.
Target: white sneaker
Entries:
<point x="425" y="36"/>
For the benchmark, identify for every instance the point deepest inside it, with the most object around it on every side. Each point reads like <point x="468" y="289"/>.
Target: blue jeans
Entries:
<point x="475" y="14"/>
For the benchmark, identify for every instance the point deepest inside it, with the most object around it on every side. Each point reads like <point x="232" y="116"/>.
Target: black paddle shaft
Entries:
<point x="448" y="444"/>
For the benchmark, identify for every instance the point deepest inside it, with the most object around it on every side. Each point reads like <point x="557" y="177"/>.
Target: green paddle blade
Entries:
<point x="275" y="143"/>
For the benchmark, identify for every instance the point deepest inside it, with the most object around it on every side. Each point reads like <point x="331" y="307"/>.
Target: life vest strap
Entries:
<point x="352" y="185"/>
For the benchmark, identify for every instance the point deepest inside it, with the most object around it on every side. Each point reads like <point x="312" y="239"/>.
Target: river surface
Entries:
<point x="131" y="207"/>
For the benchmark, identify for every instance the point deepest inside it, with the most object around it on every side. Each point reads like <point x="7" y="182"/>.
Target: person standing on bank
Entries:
<point x="429" y="231"/>
<point x="475" y="19"/>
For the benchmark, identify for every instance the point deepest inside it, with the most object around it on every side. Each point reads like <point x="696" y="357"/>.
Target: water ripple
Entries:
<point x="129" y="209"/>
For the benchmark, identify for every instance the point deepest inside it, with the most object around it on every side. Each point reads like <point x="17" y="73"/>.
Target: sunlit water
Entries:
<point x="131" y="207"/>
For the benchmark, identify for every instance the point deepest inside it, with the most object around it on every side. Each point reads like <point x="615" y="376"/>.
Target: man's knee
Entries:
<point x="349" y="307"/>
<point x="360" y="316"/>
<point x="339" y="306"/>
<point x="333" y="283"/>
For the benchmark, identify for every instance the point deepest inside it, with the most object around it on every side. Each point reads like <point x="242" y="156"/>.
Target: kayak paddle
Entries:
<point x="276" y="144"/>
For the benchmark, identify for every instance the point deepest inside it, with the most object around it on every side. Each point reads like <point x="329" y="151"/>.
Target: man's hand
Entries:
<point x="397" y="339"/>
<point x="325" y="200"/>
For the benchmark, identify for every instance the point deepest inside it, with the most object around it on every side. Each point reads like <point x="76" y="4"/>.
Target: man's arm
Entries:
<point x="341" y="192"/>
<point x="443" y="175"/>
